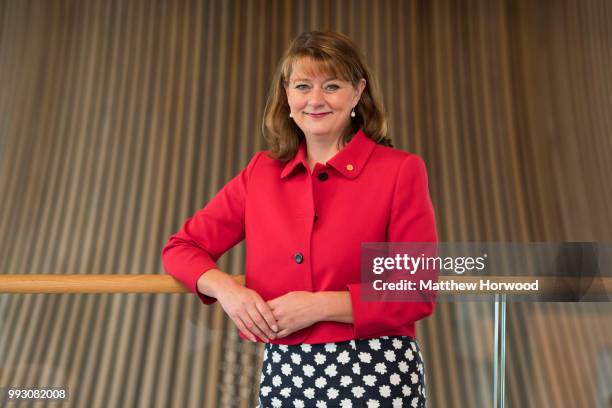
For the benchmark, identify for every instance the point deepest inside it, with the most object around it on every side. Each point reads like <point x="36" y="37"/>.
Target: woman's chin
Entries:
<point x="320" y="133"/>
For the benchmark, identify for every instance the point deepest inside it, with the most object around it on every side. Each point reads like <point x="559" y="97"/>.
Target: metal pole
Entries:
<point x="502" y="368"/>
<point x="495" y="350"/>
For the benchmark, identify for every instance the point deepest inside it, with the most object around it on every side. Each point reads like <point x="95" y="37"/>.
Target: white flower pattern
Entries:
<point x="345" y="380"/>
<point x="380" y="368"/>
<point x="309" y="393"/>
<point x="320" y="382"/>
<point x="365" y="357"/>
<point x="308" y="370"/>
<point x="286" y="369"/>
<point x="358" y="391"/>
<point x="331" y="370"/>
<point x="379" y="372"/>
<point x="276" y="381"/>
<point x="298" y="382"/>
<point x="343" y="357"/>
<point x="390" y="355"/>
<point x="385" y="391"/>
<point x="395" y="379"/>
<point x="369" y="380"/>
<point x="346" y="403"/>
<point x="276" y="357"/>
<point x="295" y="358"/>
<point x="332" y="393"/>
<point x="330" y="347"/>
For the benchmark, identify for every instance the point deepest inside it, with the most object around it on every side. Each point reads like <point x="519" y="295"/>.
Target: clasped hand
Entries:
<point x="273" y="319"/>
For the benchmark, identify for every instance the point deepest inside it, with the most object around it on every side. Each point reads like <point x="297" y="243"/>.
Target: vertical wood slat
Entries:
<point x="119" y="120"/>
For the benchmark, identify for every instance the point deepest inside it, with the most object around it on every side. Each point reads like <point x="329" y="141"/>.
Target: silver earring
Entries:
<point x="353" y="113"/>
<point x="290" y="115"/>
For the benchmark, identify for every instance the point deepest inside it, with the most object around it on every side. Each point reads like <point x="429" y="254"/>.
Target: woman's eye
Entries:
<point x="301" y="87"/>
<point x="333" y="87"/>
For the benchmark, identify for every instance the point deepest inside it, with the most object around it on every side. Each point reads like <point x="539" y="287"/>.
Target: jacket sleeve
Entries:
<point x="208" y="234"/>
<point x="412" y="219"/>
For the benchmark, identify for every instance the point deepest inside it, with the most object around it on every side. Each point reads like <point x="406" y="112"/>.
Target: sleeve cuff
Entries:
<point x="376" y="318"/>
<point x="190" y="280"/>
<point x="360" y="318"/>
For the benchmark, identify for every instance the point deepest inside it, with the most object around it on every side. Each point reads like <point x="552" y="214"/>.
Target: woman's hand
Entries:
<point x="295" y="310"/>
<point x="249" y="312"/>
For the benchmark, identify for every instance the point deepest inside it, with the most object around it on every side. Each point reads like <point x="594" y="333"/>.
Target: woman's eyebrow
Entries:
<point x="308" y="80"/>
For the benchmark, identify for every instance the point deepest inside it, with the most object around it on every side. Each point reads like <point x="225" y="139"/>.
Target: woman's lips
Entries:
<point x="318" y="115"/>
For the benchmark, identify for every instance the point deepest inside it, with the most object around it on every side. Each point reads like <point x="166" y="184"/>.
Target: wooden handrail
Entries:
<point x="89" y="283"/>
<point x="159" y="283"/>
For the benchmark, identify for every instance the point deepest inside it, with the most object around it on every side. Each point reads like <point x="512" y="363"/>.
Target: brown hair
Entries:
<point x="337" y="55"/>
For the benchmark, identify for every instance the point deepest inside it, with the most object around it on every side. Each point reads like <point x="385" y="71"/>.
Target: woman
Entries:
<point x="329" y="182"/>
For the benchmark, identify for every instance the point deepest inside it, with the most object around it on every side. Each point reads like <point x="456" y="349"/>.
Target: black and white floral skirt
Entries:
<point x="381" y="372"/>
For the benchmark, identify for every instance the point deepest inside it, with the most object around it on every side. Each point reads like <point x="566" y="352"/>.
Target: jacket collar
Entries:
<point x="349" y="161"/>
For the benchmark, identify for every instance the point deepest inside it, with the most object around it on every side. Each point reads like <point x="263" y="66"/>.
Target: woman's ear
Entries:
<point x="360" y="87"/>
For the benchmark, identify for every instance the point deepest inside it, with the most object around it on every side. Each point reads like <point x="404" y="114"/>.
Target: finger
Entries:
<point x="283" y="333"/>
<point x="268" y="316"/>
<point x="257" y="324"/>
<point x="244" y="329"/>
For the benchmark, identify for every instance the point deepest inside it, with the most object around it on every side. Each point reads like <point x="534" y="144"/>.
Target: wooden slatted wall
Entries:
<point x="120" y="119"/>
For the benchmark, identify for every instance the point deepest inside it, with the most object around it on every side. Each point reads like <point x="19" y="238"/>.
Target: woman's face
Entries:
<point x="320" y="104"/>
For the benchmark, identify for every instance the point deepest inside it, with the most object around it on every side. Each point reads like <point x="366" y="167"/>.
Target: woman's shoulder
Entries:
<point x="263" y="161"/>
<point x="393" y="157"/>
<point x="265" y="157"/>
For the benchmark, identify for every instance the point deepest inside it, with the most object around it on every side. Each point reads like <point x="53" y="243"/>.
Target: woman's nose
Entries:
<point x="316" y="97"/>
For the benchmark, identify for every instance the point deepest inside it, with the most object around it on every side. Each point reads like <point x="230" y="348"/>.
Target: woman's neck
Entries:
<point x="320" y="150"/>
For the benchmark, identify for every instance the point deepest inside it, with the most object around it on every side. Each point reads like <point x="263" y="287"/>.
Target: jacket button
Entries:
<point x="299" y="258"/>
<point x="316" y="218"/>
<point x="323" y="176"/>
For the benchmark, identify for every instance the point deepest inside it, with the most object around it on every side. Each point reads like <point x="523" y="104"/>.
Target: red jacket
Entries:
<point x="304" y="231"/>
